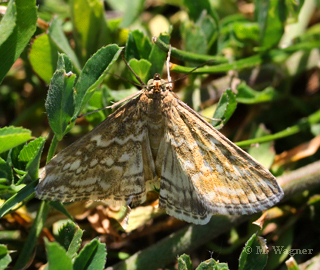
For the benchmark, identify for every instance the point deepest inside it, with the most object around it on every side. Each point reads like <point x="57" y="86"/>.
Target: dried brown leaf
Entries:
<point x="297" y="153"/>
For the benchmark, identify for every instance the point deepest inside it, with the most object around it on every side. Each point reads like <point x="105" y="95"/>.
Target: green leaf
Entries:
<point x="210" y="32"/>
<point x="247" y="95"/>
<point x="93" y="74"/>
<point x="65" y="63"/>
<point x="75" y="243"/>
<point x="43" y="57"/>
<point x="143" y="44"/>
<point x="60" y="102"/>
<point x="281" y="249"/>
<point x="138" y="46"/>
<point x="157" y="57"/>
<point x="33" y="235"/>
<point x="264" y="152"/>
<point x="131" y="51"/>
<point x="23" y="16"/>
<point x="60" y="207"/>
<point x="184" y="263"/>
<point x="8" y="22"/>
<point x="226" y="107"/>
<point x="5" y="170"/>
<point x="132" y="12"/>
<point x="87" y="18"/>
<point x="17" y="198"/>
<point x="271" y="16"/>
<point x="5" y="258"/>
<point x="254" y="255"/>
<point x="31" y="154"/>
<point x="44" y="52"/>
<point x="118" y="95"/>
<point x="194" y="39"/>
<point x="13" y="136"/>
<point x="246" y="31"/>
<point x="96" y="102"/>
<point x="70" y="238"/>
<point x="117" y="5"/>
<point x="195" y="8"/>
<point x="12" y="188"/>
<point x="20" y="172"/>
<point x="57" y="256"/>
<point x="141" y="68"/>
<point x="211" y="264"/>
<point x="91" y="257"/>
<point x="13" y="157"/>
<point x="59" y="39"/>
<point x="66" y="233"/>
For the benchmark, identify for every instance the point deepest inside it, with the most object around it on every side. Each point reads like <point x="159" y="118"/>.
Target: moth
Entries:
<point x="157" y="142"/>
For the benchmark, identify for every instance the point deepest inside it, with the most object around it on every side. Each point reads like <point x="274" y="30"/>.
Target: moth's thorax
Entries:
<point x="157" y="100"/>
<point x="157" y="88"/>
<point x="157" y="94"/>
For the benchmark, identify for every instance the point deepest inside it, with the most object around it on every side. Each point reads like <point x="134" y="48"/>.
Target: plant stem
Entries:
<point x="305" y="178"/>
<point x="187" y="56"/>
<point x="303" y="125"/>
<point x="52" y="149"/>
<point x="277" y="56"/>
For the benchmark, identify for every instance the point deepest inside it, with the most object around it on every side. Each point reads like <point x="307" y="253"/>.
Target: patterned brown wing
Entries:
<point x="204" y="172"/>
<point x="113" y="162"/>
<point x="178" y="196"/>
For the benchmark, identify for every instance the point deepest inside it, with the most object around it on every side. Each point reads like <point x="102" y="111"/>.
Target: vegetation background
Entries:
<point x="262" y="83"/>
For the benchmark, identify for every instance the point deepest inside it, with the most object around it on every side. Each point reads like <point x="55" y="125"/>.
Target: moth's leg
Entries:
<point x="168" y="68"/>
<point x="135" y="74"/>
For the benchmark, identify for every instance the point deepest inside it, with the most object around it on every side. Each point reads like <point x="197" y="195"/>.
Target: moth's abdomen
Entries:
<point x="155" y="132"/>
<point x="154" y="104"/>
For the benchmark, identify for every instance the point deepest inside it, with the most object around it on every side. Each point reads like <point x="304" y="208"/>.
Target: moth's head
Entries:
<point x="157" y="86"/>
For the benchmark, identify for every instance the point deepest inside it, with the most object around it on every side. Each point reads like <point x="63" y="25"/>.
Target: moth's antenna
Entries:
<point x="134" y="83"/>
<point x="138" y="78"/>
<point x="168" y="67"/>
<point x="125" y="99"/>
<point x="113" y="105"/>
<point x="185" y="75"/>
